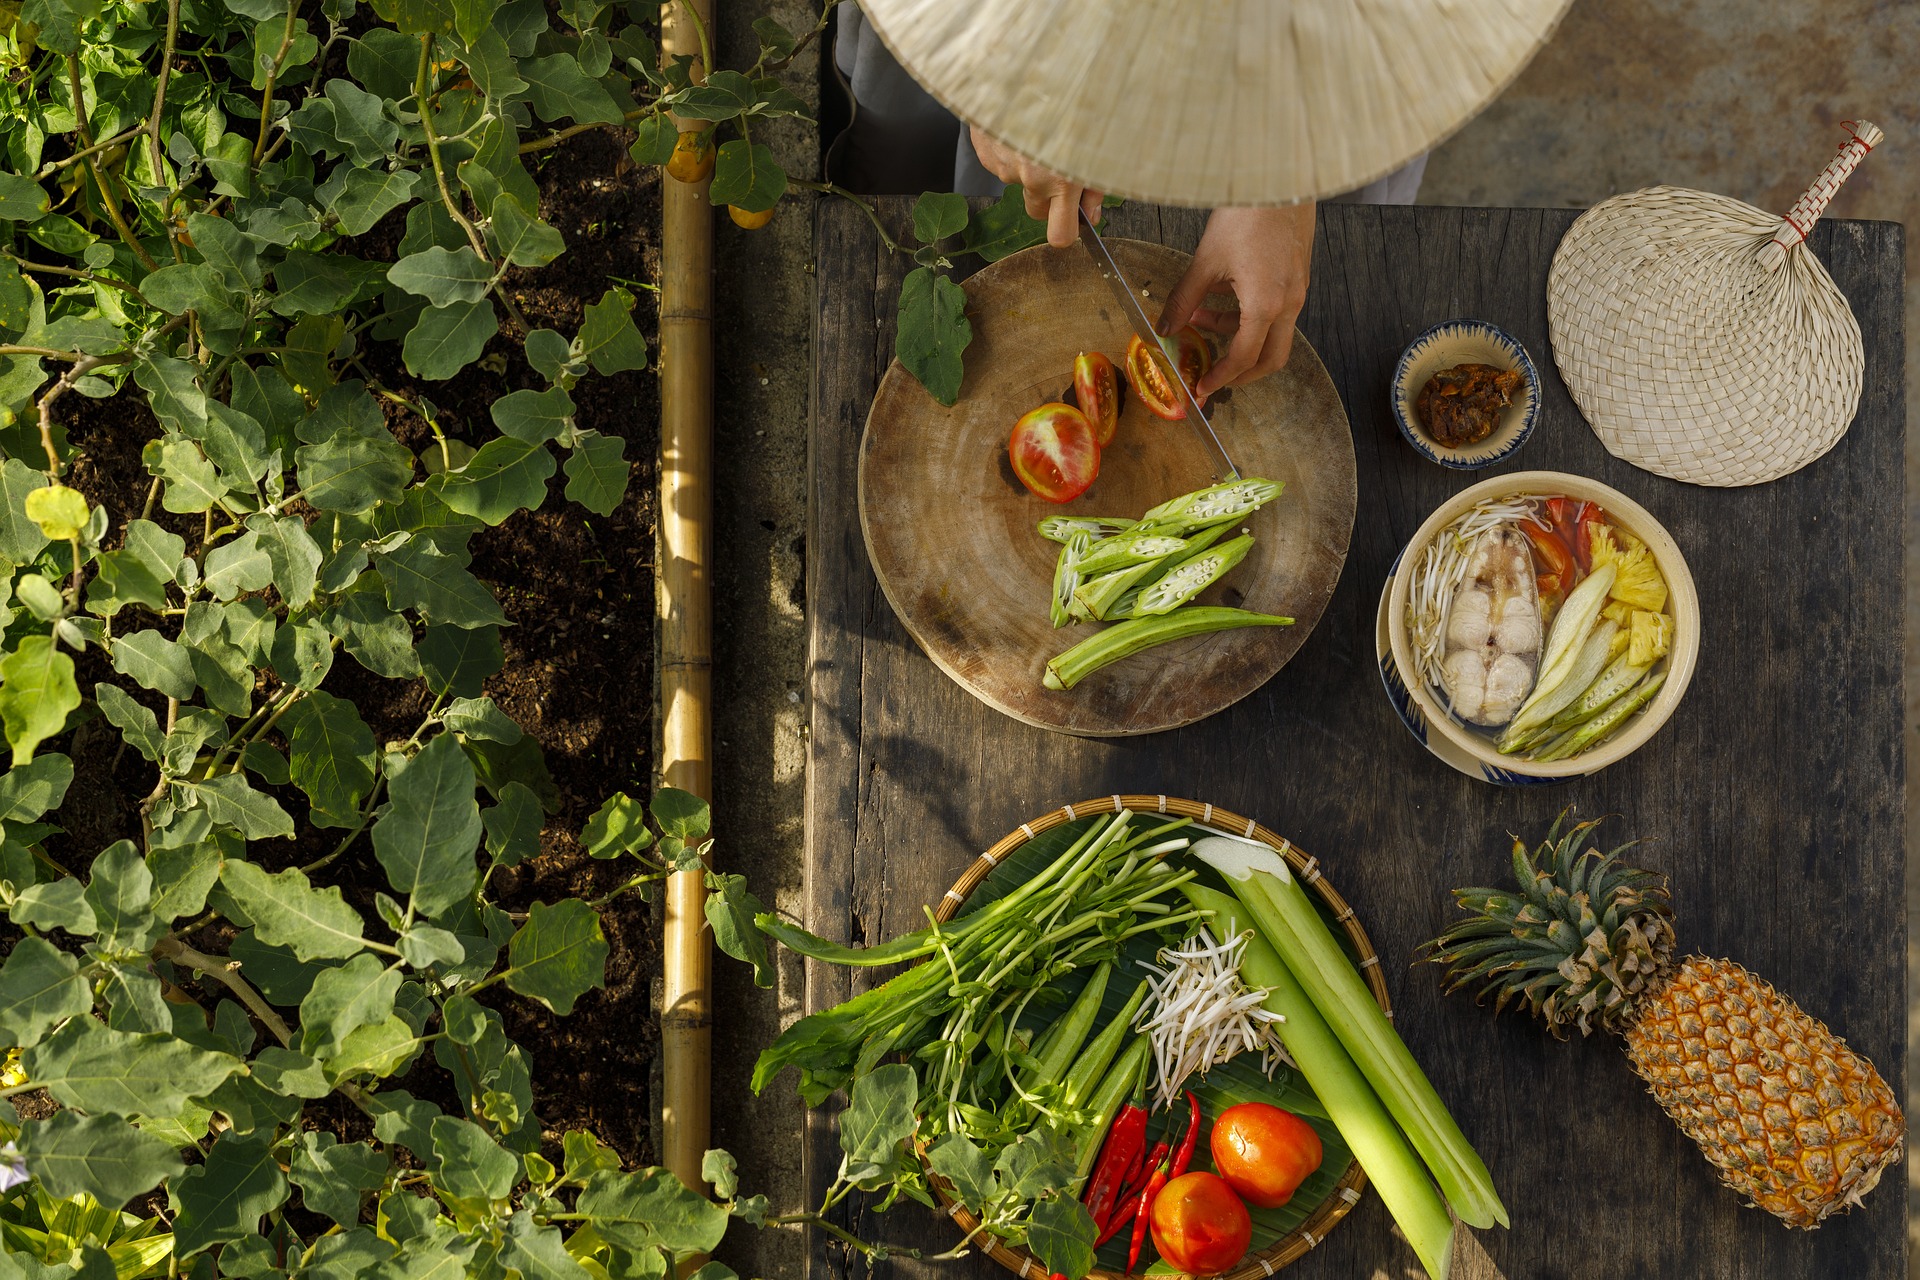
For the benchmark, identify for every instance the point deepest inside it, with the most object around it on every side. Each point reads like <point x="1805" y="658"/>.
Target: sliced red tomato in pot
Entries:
<point x="1054" y="452"/>
<point x="1097" y="387"/>
<point x="1150" y="374"/>
<point x="1550" y="554"/>
<point x="1199" y="1224"/>
<point x="1590" y="515"/>
<point x="1264" y="1152"/>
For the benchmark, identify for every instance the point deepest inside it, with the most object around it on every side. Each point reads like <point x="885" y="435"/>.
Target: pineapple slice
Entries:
<point x="1649" y="637"/>
<point x="1637" y="581"/>
<point x="1601" y="547"/>
<point x="1618" y="645"/>
<point x="1621" y="614"/>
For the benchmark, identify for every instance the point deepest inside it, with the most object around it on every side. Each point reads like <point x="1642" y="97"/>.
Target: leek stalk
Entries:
<point x="1351" y="1103"/>
<point x="1262" y="881"/>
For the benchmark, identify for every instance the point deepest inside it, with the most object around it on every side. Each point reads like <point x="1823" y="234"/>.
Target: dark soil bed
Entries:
<point x="579" y="655"/>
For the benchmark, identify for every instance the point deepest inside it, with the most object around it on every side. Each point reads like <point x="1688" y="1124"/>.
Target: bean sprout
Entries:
<point x="1443" y="563"/>
<point x="1202" y="1015"/>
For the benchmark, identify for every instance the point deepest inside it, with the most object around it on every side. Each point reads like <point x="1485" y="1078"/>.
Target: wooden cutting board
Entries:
<point x="950" y="530"/>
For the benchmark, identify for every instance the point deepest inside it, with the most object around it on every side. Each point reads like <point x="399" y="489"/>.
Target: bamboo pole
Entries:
<point x="684" y="618"/>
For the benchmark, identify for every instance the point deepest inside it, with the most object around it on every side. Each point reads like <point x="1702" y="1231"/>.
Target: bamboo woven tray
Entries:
<point x="1345" y="1192"/>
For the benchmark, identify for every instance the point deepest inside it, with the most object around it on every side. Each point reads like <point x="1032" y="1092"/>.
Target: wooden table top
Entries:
<point x="1774" y="799"/>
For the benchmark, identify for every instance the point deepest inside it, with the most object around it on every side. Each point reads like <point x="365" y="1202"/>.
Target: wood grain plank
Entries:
<point x="1774" y="799"/>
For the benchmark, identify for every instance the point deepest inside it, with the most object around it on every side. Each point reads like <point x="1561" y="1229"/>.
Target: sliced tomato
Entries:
<point x="1097" y="387"/>
<point x="1550" y="554"/>
<point x="1590" y="515"/>
<point x="1055" y="452"/>
<point x="1151" y="376"/>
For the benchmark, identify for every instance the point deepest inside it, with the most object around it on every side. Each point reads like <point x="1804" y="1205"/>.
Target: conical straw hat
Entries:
<point x="1227" y="102"/>
<point x="1699" y="336"/>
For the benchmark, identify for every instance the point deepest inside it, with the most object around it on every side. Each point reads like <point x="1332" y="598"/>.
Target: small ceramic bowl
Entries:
<point x="1465" y="342"/>
<point x="1682" y="602"/>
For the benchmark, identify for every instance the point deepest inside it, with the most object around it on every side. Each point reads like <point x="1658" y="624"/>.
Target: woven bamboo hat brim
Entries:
<point x="1232" y="102"/>
<point x="1700" y="337"/>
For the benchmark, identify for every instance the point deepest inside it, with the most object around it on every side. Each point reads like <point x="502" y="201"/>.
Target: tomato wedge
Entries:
<point x="1055" y="452"/>
<point x="1097" y="388"/>
<point x="1151" y="377"/>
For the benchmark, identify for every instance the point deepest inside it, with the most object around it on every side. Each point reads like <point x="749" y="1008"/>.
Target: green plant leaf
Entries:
<point x="427" y="947"/>
<point x="40" y="985"/>
<point x="156" y="663"/>
<point x="506" y="475"/>
<point x="546" y="351"/>
<point x="294" y="555"/>
<point x="879" y="1115"/>
<point x="86" y="1066"/>
<point x="730" y="909"/>
<point x="427" y="836"/>
<point x="232" y="803"/>
<point x="618" y="826"/>
<point x="331" y="756"/>
<point x="181" y="877"/>
<point x="651" y="1209"/>
<point x="323" y="283"/>
<point x="120" y="892"/>
<point x="748" y="176"/>
<point x="236" y="567"/>
<point x="966" y="1166"/>
<point x="285" y="910"/>
<point x="225" y="1198"/>
<point x="560" y="90"/>
<point x="37" y="693"/>
<point x="173" y="392"/>
<point x="56" y="904"/>
<point x="380" y="639"/>
<point x="1004" y="227"/>
<point x="20" y="538"/>
<point x="443" y="276"/>
<point x="32" y="789"/>
<point x="513" y="825"/>
<point x="537" y="1252"/>
<point x="303" y="653"/>
<point x="468" y="1164"/>
<point x="350" y="473"/>
<point x="359" y="123"/>
<point x="608" y="338"/>
<point x="724" y="95"/>
<point x="447" y="339"/>
<point x="597" y="472"/>
<point x="101" y="1156"/>
<point x="722" y="1170"/>
<point x="383" y="1049"/>
<point x="521" y="238"/>
<point x="335" y="1177"/>
<point x="359" y="993"/>
<point x="937" y="215"/>
<point x="370" y="195"/>
<point x="533" y="416"/>
<point x="558" y="955"/>
<point x="1061" y="1232"/>
<point x="480" y="718"/>
<point x="21" y="199"/>
<point x="456" y="660"/>
<point x="420" y="577"/>
<point x="933" y="332"/>
<point x="681" y="814"/>
<point x="60" y="512"/>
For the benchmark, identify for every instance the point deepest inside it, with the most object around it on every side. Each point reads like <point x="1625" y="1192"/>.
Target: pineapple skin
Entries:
<point x="1795" y="1121"/>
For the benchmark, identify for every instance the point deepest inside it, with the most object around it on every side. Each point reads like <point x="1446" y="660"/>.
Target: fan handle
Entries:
<point x="1807" y="210"/>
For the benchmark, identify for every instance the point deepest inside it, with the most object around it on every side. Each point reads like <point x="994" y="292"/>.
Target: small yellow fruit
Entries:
<point x="751" y="221"/>
<point x="692" y="158"/>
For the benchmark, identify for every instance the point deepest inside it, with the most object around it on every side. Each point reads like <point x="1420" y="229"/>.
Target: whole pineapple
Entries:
<point x="1796" y="1122"/>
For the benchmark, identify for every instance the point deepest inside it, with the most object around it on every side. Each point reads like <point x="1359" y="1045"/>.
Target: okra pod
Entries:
<point x="1125" y="606"/>
<point x="1190" y="577"/>
<point x="1127" y="550"/>
<point x="1094" y="1060"/>
<point x="1075" y="1024"/>
<point x="1213" y="505"/>
<point x="1062" y="528"/>
<point x="1619" y="677"/>
<point x="1587" y="667"/>
<point x="1099" y="596"/>
<point x="1601" y="727"/>
<point x="1066" y="578"/>
<point x="1119" y="1084"/>
<point x="1124" y="639"/>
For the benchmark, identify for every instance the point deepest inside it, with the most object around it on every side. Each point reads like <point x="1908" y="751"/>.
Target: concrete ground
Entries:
<point x="1741" y="97"/>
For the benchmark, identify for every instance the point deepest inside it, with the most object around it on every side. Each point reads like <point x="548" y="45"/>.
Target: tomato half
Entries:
<point x="1199" y="1225"/>
<point x="1151" y="377"/>
<point x="1263" y="1152"/>
<point x="1055" y="452"/>
<point x="1097" y="388"/>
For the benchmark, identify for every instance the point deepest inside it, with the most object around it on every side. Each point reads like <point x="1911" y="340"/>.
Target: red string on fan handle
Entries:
<point x="1799" y="220"/>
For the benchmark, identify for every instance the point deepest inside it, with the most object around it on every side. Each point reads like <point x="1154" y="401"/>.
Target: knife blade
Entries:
<point x="1143" y="326"/>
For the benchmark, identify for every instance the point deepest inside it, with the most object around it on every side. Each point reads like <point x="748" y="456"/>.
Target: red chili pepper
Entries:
<point x="1123" y="1145"/>
<point x="1185" y="1154"/>
<point x="1142" y="1211"/>
<point x="1122" y="1215"/>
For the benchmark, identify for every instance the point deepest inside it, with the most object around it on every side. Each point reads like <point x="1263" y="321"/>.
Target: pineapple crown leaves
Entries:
<point x="1579" y="942"/>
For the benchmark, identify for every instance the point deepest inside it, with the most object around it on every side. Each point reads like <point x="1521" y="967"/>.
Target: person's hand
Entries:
<point x="1262" y="257"/>
<point x="1051" y="197"/>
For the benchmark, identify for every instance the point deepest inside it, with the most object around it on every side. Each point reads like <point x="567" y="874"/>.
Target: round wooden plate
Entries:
<point x="950" y="530"/>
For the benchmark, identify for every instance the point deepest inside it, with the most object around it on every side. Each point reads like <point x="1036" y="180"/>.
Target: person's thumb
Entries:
<point x="1186" y="297"/>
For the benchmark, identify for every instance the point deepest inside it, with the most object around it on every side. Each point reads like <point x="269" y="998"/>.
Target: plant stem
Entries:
<point x="108" y="201"/>
<point x="86" y="153"/>
<point x="75" y="273"/>
<point x="73" y="374"/>
<point x="873" y="215"/>
<point x="160" y="91"/>
<point x="574" y="130"/>
<point x="875" y="1251"/>
<point x="423" y="83"/>
<point x="227" y="973"/>
<point x="366" y="819"/>
<point x="266" y="95"/>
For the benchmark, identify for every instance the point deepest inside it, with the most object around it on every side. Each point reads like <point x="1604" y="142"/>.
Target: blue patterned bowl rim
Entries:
<point x="1419" y="441"/>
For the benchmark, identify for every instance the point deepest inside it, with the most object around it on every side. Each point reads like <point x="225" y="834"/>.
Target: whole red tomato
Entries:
<point x="1097" y="388"/>
<point x="1150" y="376"/>
<point x="1199" y="1224"/>
<point x="1054" y="452"/>
<point x="1263" y="1152"/>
